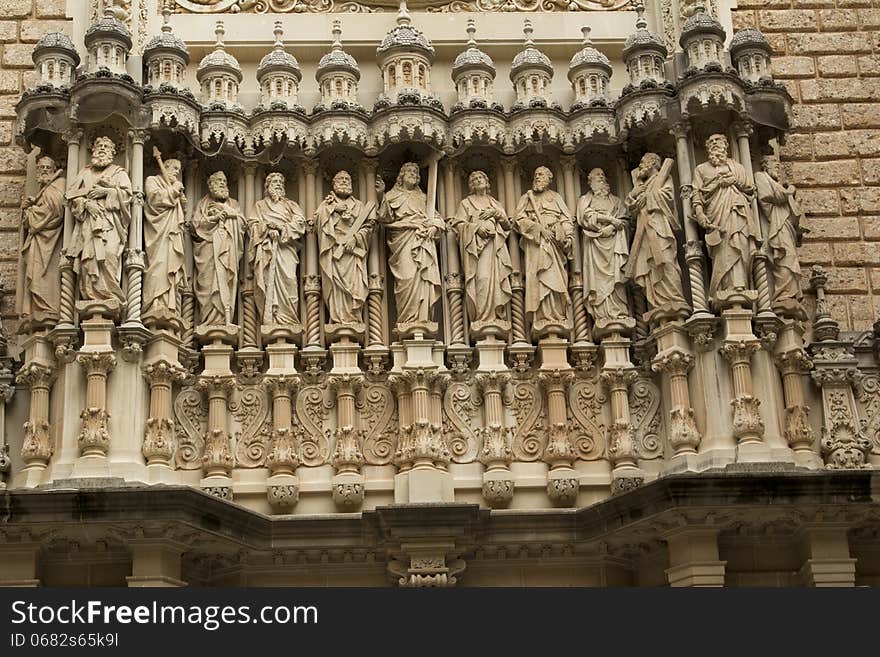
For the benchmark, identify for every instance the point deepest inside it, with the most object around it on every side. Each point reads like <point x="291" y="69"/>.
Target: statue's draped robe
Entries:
<point x="544" y="236"/>
<point x="485" y="260"/>
<point x="604" y="258"/>
<point x="100" y="232"/>
<point x="217" y="245"/>
<point x="163" y="237"/>
<point x="344" y="275"/>
<point x="782" y="213"/>
<point x="413" y="257"/>
<point x="653" y="262"/>
<point x="275" y="260"/>
<point x="40" y="253"/>
<point x="729" y="209"/>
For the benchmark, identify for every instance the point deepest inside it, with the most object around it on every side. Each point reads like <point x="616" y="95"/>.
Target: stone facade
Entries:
<point x="457" y="318"/>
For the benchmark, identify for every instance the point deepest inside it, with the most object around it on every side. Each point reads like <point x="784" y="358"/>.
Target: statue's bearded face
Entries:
<point x="598" y="183"/>
<point x="649" y="164"/>
<point x="342" y="184"/>
<point x="102" y="153"/>
<point x="275" y="188"/>
<point x="218" y="188"/>
<point x="771" y="167"/>
<point x="541" y="180"/>
<point x="45" y="169"/>
<point x="173" y="169"/>
<point x="478" y="182"/>
<point x="410" y="177"/>
<point x="716" y="149"/>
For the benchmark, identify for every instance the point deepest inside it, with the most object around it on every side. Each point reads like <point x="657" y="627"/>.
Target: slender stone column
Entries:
<point x="454" y="283"/>
<point x="135" y="261"/>
<point x="701" y="323"/>
<point x="161" y="370"/>
<point x="37" y="373"/>
<point x="492" y="376"/>
<point x="73" y="138"/>
<point x="250" y="324"/>
<point x="188" y="301"/>
<point x="793" y="363"/>
<point x="312" y="278"/>
<point x="617" y="374"/>
<point x="282" y="381"/>
<point x="348" y="457"/>
<point x="766" y="318"/>
<point x="674" y="359"/>
<point x="377" y="315"/>
<point x="517" y="300"/>
<point x="748" y="426"/>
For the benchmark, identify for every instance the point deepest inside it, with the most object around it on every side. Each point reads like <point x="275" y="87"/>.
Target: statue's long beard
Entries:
<point x="717" y="156"/>
<point x="102" y="161"/>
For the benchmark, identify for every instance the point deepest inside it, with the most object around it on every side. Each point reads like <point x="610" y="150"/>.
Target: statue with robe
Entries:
<point x="344" y="225"/>
<point x="276" y="229"/>
<point x="604" y="219"/>
<point x="482" y="227"/>
<point x="547" y="229"/>
<point x="164" y="216"/>
<point x="218" y="232"/>
<point x="782" y="214"/>
<point x="42" y="233"/>
<point x="722" y="204"/>
<point x="412" y="236"/>
<point x="653" y="259"/>
<point x="100" y="202"/>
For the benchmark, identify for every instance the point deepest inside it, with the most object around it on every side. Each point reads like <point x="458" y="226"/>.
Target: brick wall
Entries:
<point x="828" y="54"/>
<point x="22" y="23"/>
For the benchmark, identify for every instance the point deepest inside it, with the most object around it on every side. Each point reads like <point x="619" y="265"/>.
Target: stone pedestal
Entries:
<point x="828" y="561"/>
<point x="347" y="457"/>
<point x="555" y="375"/>
<point x="693" y="558"/>
<point x="37" y="372"/>
<point x="161" y="369"/>
<point x="492" y="376"/>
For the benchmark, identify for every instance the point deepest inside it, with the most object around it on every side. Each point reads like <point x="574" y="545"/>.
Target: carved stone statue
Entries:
<point x="604" y="220"/>
<point x="100" y="201"/>
<point x="344" y="226"/>
<point x="653" y="262"/>
<point x="722" y="205"/>
<point x="42" y="231"/>
<point x="482" y="226"/>
<point x="411" y="240"/>
<point x="275" y="231"/>
<point x="164" y="217"/>
<point x="547" y="229"/>
<point x="218" y="230"/>
<point x="783" y="215"/>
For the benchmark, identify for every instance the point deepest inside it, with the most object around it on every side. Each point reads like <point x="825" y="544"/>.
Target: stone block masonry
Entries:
<point x="828" y="55"/>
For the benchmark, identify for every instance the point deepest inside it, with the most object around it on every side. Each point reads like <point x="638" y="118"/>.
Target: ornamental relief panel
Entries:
<point x="332" y="6"/>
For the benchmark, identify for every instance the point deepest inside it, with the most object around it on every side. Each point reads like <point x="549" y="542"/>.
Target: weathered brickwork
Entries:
<point x="22" y="23"/>
<point x="828" y="54"/>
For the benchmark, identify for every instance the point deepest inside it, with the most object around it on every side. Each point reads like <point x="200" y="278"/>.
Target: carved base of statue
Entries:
<point x="425" y="329"/>
<point x="789" y="308"/>
<point x="490" y="329"/>
<point x="731" y="298"/>
<point x="107" y="308"/>
<point x="354" y="330"/>
<point x="227" y="333"/>
<point x="667" y="313"/>
<point x="619" y="325"/>
<point x="282" y="492"/>
<point x="545" y="328"/>
<point x="280" y="332"/>
<point x="162" y="318"/>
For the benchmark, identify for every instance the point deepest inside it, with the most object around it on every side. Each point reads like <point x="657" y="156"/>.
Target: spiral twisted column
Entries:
<point x="312" y="278"/>
<point x="517" y="299"/>
<point x="73" y="139"/>
<point x="135" y="260"/>
<point x="454" y="285"/>
<point x="575" y="279"/>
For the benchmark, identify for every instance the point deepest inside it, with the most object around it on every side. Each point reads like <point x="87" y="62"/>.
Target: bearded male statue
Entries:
<point x="218" y="231"/>
<point x="722" y="204"/>
<point x="413" y="251"/>
<point x="42" y="231"/>
<point x="783" y="215"/>
<point x="164" y="216"/>
<point x="482" y="226"/>
<point x="344" y="226"/>
<point x="276" y="229"/>
<point x="547" y="229"/>
<point x="100" y="202"/>
<point x="653" y="260"/>
<point x="604" y="219"/>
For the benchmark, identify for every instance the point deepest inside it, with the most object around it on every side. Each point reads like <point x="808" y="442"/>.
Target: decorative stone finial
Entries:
<point x="220" y="31"/>
<point x="471" y="32"/>
<point x="641" y="21"/>
<point x="585" y="30"/>
<point x="166" y="19"/>
<point x="527" y="31"/>
<point x="403" y="14"/>
<point x="337" y="34"/>
<point x="279" y="33"/>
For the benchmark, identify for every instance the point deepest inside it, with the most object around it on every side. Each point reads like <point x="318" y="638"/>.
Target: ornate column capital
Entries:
<point x="73" y="136"/>
<point x="493" y="381"/>
<point x="310" y="167"/>
<point x="618" y="377"/>
<point x="795" y="361"/>
<point x="137" y="136"/>
<point x="568" y="162"/>
<point x="282" y="383"/>
<point x="743" y="128"/>
<point x="739" y="351"/>
<point x="681" y="129"/>
<point x="347" y="382"/>
<point x="509" y="163"/>
<point x="216" y="383"/>
<point x="164" y="371"/>
<point x="96" y="362"/>
<point x="35" y="375"/>
<point x="674" y="362"/>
